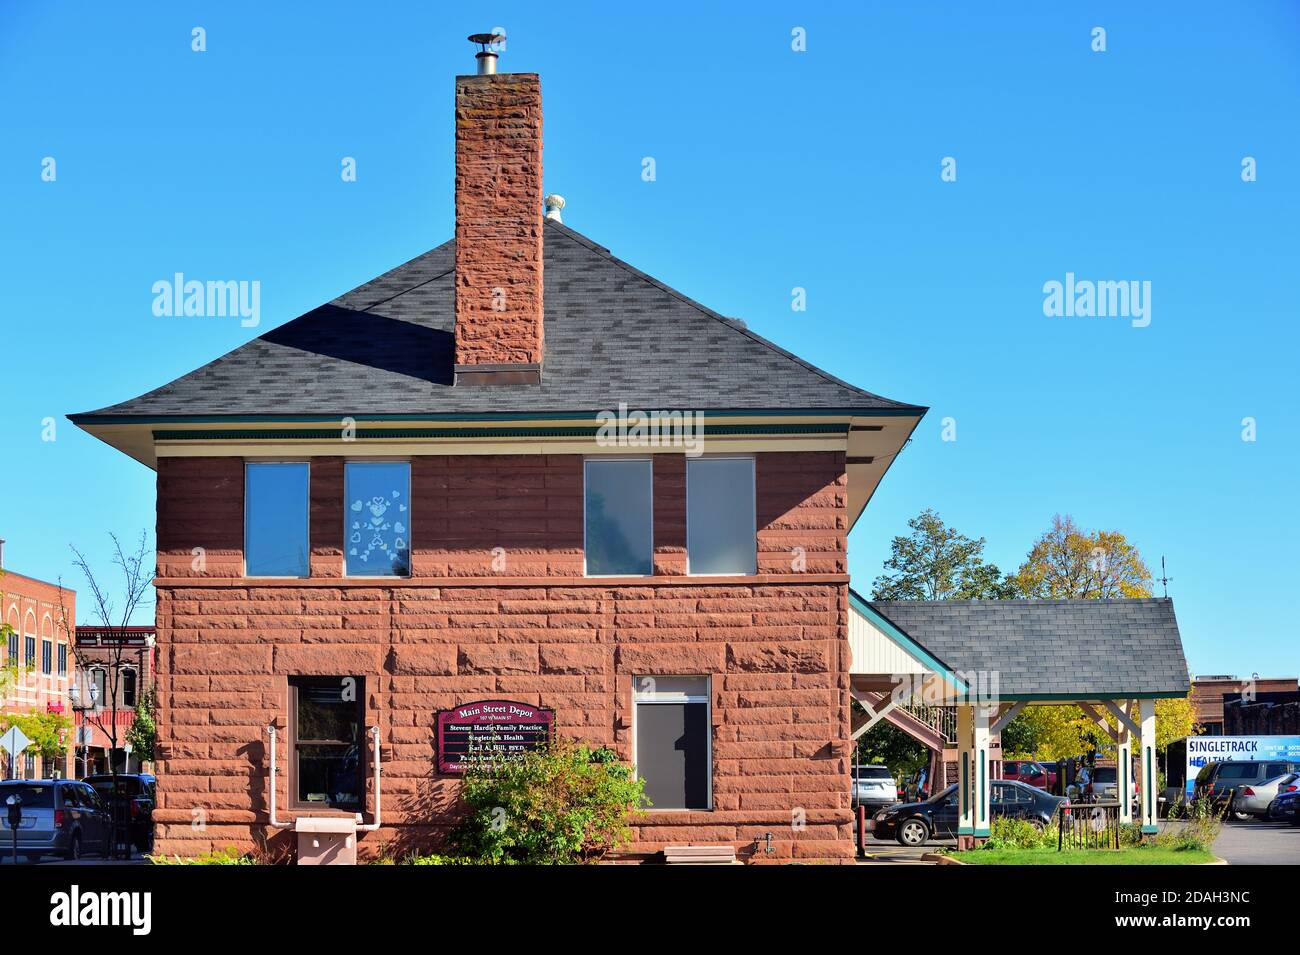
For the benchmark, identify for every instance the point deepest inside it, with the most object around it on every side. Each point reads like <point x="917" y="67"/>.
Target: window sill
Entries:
<point x="492" y="580"/>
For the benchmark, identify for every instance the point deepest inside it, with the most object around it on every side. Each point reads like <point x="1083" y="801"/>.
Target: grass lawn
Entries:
<point x="1141" y="855"/>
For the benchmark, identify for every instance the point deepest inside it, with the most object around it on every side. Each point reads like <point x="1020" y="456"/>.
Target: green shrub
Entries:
<point x="1008" y="833"/>
<point x="1192" y="834"/>
<point x="556" y="805"/>
<point x="436" y="859"/>
<point x="1201" y="822"/>
<point x="227" y="856"/>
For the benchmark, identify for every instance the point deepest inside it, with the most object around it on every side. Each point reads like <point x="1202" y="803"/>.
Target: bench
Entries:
<point x="700" y="855"/>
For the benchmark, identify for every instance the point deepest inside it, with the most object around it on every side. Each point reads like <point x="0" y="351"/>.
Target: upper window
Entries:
<point x="47" y="657"/>
<point x="720" y="536"/>
<point x="378" y="518"/>
<point x="63" y="659"/>
<point x="327" y="744"/>
<point x="619" y="519"/>
<point x="275" y="520"/>
<point x="29" y="651"/>
<point x="128" y="687"/>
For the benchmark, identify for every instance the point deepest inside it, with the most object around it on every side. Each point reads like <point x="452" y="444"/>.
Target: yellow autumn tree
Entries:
<point x="1175" y="719"/>
<point x="1068" y="562"/>
<point x="1058" y="732"/>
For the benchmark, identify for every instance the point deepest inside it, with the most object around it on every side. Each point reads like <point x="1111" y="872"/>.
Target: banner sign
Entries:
<point x="1226" y="749"/>
<point x="489" y="730"/>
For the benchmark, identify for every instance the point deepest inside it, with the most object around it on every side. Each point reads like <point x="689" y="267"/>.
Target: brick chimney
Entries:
<point x="498" y="226"/>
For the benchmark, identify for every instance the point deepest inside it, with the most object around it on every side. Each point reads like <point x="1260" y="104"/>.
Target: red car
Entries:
<point x="1027" y="771"/>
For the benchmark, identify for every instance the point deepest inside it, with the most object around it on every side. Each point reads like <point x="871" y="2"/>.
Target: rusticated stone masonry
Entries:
<point x="774" y="644"/>
<point x="499" y="226"/>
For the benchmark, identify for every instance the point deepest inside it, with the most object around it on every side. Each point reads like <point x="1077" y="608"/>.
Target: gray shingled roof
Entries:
<point x="1088" y="648"/>
<point x="612" y="334"/>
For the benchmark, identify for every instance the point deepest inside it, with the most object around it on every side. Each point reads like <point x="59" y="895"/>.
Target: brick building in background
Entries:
<point x="1212" y="695"/>
<point x="418" y="496"/>
<point x="100" y="651"/>
<point x="36" y="648"/>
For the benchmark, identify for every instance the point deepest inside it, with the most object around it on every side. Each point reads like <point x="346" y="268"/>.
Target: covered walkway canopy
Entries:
<point x="992" y="658"/>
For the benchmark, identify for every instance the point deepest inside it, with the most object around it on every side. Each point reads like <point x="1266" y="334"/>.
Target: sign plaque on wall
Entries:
<point x="489" y="730"/>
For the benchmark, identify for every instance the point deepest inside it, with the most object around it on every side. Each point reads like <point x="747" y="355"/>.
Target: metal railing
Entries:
<point x="941" y="719"/>
<point x="1093" y="825"/>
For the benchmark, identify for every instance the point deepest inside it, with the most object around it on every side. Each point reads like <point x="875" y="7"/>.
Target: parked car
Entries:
<point x="1254" y="799"/>
<point x="132" y="805"/>
<point x="1053" y="771"/>
<point x="59" y="817"/>
<point x="914" y="824"/>
<point x="1105" y="784"/>
<point x="1286" y="808"/>
<point x="1219" y="782"/>
<point x="873" y="787"/>
<point x="1025" y="771"/>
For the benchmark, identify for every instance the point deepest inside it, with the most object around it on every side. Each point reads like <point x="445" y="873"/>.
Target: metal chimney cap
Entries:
<point x="554" y="203"/>
<point x="487" y="59"/>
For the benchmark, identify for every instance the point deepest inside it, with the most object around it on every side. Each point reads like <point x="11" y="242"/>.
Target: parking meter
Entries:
<point x="15" y="803"/>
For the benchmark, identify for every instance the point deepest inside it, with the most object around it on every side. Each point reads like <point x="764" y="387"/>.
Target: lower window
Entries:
<point x="326" y="716"/>
<point x="674" y="740"/>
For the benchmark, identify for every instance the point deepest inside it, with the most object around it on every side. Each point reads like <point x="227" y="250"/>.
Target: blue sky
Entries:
<point x="774" y="169"/>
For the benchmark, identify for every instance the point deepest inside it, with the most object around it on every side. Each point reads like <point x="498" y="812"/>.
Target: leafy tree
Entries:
<point x="1175" y="718"/>
<point x="561" y="804"/>
<point x="1058" y="732"/>
<point x="143" y="732"/>
<point x="47" y="731"/>
<point x="1070" y="562"/>
<point x="1048" y="732"/>
<point x="936" y="562"/>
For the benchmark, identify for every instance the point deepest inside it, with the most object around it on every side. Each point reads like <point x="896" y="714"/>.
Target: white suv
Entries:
<point x="873" y="787"/>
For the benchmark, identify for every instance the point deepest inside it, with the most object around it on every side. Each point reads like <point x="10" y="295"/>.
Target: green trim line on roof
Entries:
<point x="93" y="418"/>
<point x="304" y="434"/>
<point x="890" y="630"/>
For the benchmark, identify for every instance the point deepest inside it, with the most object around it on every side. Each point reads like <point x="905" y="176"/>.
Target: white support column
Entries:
<point x="983" y="760"/>
<point x="965" y="770"/>
<point x="1124" y="769"/>
<point x="1148" y="757"/>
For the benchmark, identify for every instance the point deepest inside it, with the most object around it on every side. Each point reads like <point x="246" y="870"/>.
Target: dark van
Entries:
<point x="59" y="817"/>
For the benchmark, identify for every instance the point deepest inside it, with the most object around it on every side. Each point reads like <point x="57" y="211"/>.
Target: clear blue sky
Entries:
<point x="775" y="169"/>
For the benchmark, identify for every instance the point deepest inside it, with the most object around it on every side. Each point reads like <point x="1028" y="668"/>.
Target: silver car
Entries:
<point x="59" y="817"/>
<point x="1254" y="799"/>
<point x="874" y="787"/>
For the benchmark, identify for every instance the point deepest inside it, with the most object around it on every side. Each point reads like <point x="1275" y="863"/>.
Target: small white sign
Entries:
<point x="14" y="741"/>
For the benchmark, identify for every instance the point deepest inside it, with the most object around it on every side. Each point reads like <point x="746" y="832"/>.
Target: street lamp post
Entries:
<point x="74" y="691"/>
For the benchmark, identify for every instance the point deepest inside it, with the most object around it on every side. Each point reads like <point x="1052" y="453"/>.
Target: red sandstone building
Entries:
<point x="516" y="469"/>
